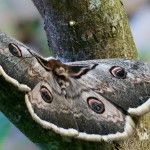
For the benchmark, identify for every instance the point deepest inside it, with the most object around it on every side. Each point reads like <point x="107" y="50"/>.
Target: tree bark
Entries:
<point x="87" y="29"/>
<point x="76" y="30"/>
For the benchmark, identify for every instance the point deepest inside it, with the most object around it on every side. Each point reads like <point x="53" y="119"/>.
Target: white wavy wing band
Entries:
<point x="21" y="87"/>
<point x="141" y="110"/>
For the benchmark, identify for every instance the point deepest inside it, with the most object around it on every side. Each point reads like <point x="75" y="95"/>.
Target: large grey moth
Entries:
<point x="90" y="100"/>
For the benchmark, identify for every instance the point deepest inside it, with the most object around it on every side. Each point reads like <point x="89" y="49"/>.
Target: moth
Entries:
<point x="91" y="100"/>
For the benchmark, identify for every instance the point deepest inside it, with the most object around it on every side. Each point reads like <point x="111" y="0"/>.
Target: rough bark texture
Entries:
<point x="87" y="29"/>
<point x="76" y="30"/>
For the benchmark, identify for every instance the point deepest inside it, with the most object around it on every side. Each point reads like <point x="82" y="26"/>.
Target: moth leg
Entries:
<point x="21" y="87"/>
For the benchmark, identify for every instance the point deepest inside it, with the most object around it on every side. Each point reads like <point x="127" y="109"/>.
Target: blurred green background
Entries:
<point x="20" y="19"/>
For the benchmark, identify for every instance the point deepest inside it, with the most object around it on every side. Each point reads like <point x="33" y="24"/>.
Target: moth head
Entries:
<point x="50" y="64"/>
<point x="65" y="70"/>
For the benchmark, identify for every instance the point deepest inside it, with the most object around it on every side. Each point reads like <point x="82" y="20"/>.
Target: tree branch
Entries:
<point x="76" y="30"/>
<point x="87" y="29"/>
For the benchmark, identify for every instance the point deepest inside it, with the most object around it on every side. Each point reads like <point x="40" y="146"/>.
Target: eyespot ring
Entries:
<point x="15" y="50"/>
<point x="96" y="105"/>
<point x="118" y="72"/>
<point x="46" y="94"/>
